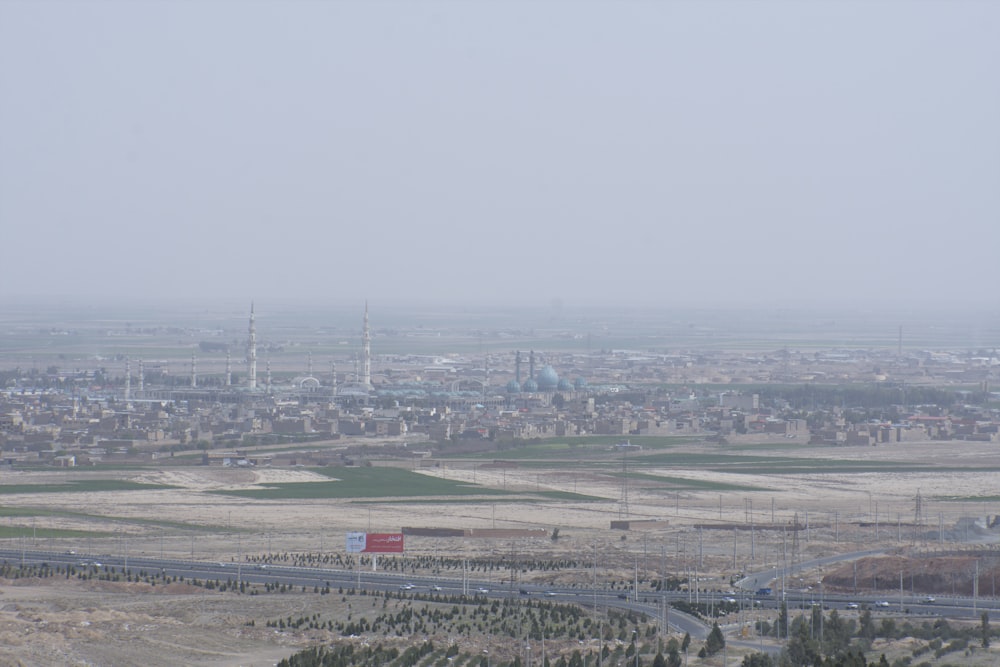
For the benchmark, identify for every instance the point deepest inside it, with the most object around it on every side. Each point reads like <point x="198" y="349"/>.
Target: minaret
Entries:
<point x="128" y="382"/>
<point x="268" y="367"/>
<point x="252" y="351"/>
<point x="229" y="369"/>
<point x="142" y="380"/>
<point x="366" y="351"/>
<point x="531" y="365"/>
<point x="517" y="367"/>
<point x="486" y="375"/>
<point x="194" y="372"/>
<point x="333" y="374"/>
<point x="309" y="366"/>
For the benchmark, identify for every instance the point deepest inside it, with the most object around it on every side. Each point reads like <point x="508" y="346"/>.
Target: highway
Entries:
<point x="311" y="578"/>
<point x="651" y="603"/>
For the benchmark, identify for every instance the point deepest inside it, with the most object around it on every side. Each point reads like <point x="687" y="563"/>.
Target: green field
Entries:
<point x="7" y="532"/>
<point x="82" y="486"/>
<point x="373" y="482"/>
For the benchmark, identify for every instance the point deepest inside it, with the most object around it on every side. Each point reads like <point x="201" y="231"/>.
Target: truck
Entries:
<point x="764" y="591"/>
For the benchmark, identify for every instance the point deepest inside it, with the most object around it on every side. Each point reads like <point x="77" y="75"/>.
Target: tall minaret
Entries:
<point x="142" y="380"/>
<point x="517" y="367"/>
<point x="531" y="365"/>
<point x="268" y="367"/>
<point x="252" y="351"/>
<point x="333" y="374"/>
<point x="486" y="375"/>
<point x="366" y="351"/>
<point x="128" y="381"/>
<point x="229" y="369"/>
<point x="194" y="372"/>
<point x="309" y="365"/>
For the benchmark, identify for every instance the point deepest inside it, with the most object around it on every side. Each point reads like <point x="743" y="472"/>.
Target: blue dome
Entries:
<point x="564" y="385"/>
<point x="530" y="386"/>
<point x="513" y="387"/>
<point x="579" y="383"/>
<point x="547" y="379"/>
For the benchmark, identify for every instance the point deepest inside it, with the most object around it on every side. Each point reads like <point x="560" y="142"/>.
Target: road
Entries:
<point x="650" y="603"/>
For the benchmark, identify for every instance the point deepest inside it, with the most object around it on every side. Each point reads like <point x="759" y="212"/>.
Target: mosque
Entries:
<point x="546" y="380"/>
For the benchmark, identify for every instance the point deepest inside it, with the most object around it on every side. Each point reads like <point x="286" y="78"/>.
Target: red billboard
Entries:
<point x="383" y="543"/>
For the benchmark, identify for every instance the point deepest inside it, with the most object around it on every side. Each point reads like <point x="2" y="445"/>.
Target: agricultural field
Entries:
<point x="687" y="499"/>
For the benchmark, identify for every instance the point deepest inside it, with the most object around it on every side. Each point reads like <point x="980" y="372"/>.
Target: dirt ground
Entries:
<point x="718" y="534"/>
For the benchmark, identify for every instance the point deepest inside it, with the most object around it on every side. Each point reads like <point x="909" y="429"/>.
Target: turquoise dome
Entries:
<point x="547" y="379"/>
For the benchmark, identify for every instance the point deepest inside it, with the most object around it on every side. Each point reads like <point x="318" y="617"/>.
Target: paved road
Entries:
<point x="364" y="579"/>
<point x="650" y="603"/>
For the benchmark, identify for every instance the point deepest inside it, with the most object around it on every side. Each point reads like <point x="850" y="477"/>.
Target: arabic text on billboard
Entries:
<point x="374" y="543"/>
<point x="384" y="543"/>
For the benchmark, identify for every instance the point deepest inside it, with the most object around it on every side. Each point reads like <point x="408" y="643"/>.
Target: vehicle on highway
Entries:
<point x="852" y="605"/>
<point x="524" y="591"/>
<point x="406" y="587"/>
<point x="622" y="596"/>
<point x="930" y="599"/>
<point x="550" y="594"/>
<point x="882" y="603"/>
<point x="435" y="587"/>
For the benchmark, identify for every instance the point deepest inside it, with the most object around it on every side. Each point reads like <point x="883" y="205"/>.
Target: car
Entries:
<point x="881" y="603"/>
<point x="482" y="591"/>
<point x="622" y="596"/>
<point x="435" y="587"/>
<point x="729" y="600"/>
<point x="550" y="594"/>
<point x="930" y="599"/>
<point x="524" y="591"/>
<point x="406" y="587"/>
<point x="852" y="605"/>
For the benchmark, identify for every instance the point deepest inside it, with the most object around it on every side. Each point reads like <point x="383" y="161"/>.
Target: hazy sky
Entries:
<point x="713" y="152"/>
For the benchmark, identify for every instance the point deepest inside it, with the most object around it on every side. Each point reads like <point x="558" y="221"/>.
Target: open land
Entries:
<point x="693" y="504"/>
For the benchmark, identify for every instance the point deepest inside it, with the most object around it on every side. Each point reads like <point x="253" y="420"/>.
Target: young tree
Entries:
<point x="781" y="625"/>
<point x="867" y="629"/>
<point x="716" y="641"/>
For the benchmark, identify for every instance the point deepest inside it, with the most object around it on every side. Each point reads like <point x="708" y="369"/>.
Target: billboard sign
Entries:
<point x="355" y="543"/>
<point x="374" y="543"/>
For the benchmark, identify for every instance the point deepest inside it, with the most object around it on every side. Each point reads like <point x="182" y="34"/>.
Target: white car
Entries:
<point x="435" y="588"/>
<point x="852" y="605"/>
<point x="881" y="603"/>
<point x="482" y="591"/>
<point x="406" y="587"/>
